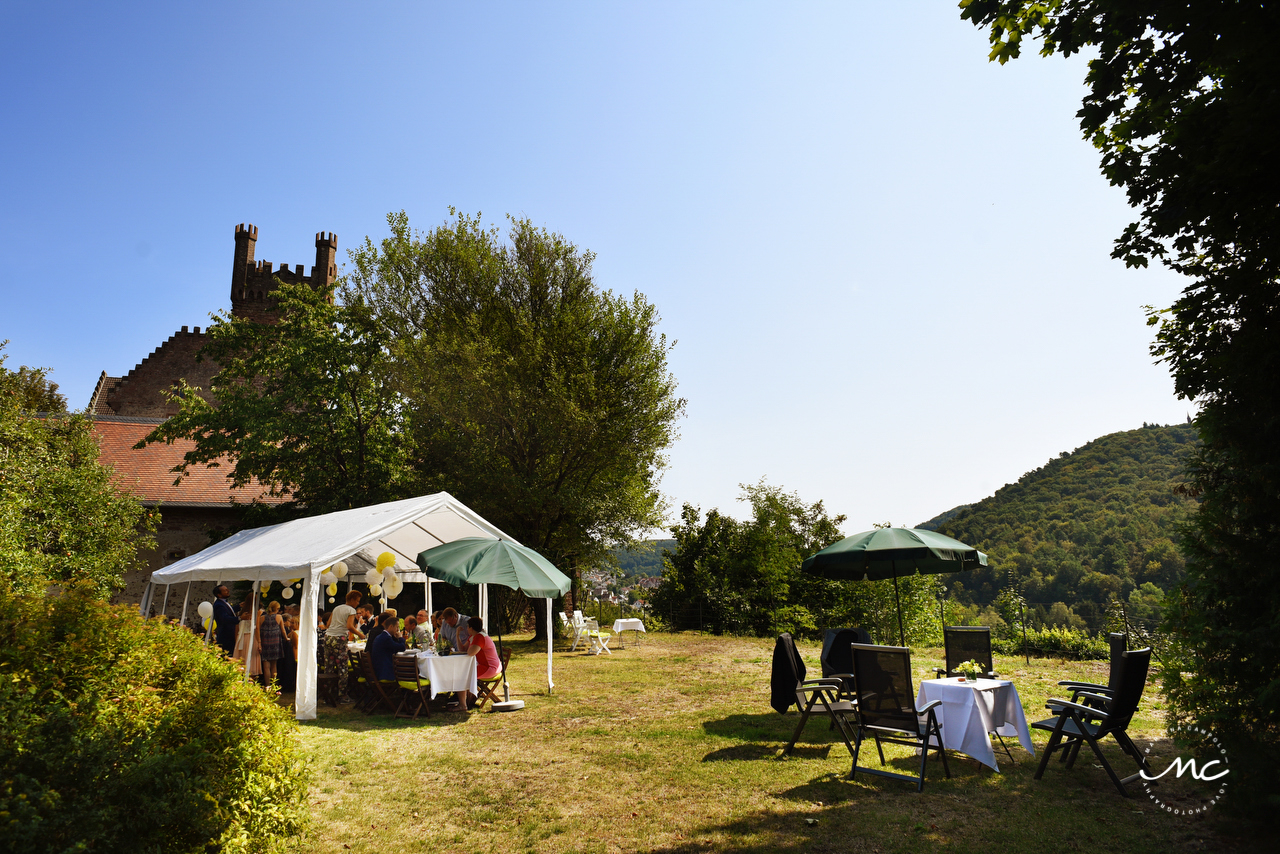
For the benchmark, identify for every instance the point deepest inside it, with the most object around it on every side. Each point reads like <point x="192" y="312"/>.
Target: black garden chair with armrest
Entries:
<point x="1074" y="723"/>
<point x="887" y="709"/>
<point x="967" y="643"/>
<point x="811" y="696"/>
<point x="837" y="660"/>
<point x="1118" y="641"/>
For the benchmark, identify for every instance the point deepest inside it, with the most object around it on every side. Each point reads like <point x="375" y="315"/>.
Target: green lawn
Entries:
<point x="672" y="746"/>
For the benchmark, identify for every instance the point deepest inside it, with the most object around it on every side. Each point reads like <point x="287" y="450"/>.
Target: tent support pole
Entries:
<point x="902" y="635"/>
<point x="186" y="597"/>
<point x="164" y="603"/>
<point x="550" y="684"/>
<point x="253" y="624"/>
<point x="142" y="606"/>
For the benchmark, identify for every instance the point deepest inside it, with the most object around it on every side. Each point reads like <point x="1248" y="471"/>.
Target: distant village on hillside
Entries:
<point x="632" y="582"/>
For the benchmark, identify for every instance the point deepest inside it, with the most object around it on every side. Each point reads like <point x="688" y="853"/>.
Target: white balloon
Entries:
<point x="340" y="569"/>
<point x="205" y="609"/>
<point x="286" y="593"/>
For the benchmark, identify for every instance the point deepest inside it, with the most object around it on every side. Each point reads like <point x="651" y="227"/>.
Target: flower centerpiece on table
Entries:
<point x="970" y="669"/>
<point x="443" y="647"/>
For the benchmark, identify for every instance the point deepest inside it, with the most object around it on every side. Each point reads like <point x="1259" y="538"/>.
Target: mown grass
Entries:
<point x="671" y="746"/>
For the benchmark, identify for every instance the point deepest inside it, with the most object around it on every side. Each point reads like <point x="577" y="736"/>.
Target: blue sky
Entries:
<point x="884" y="259"/>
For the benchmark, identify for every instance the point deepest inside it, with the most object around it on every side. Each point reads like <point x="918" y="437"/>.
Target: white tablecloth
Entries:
<point x="628" y="625"/>
<point x="972" y="709"/>
<point x="448" y="672"/>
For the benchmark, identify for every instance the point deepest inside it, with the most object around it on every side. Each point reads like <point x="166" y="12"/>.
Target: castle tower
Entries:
<point x="253" y="282"/>
<point x="246" y="242"/>
<point x="326" y="268"/>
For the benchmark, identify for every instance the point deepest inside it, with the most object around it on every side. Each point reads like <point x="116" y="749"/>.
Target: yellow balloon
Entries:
<point x="333" y="589"/>
<point x="385" y="560"/>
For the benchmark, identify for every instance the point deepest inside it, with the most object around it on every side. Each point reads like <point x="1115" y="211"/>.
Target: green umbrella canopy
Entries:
<point x="892" y="552"/>
<point x="476" y="560"/>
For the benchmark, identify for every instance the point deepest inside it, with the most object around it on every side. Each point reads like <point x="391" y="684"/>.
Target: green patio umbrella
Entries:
<point x="477" y="560"/>
<point x="890" y="552"/>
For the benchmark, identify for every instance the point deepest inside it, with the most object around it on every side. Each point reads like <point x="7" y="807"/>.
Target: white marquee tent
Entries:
<point x="304" y="548"/>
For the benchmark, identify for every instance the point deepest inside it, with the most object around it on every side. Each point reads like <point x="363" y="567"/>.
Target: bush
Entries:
<point x="122" y="734"/>
<point x="1055" y="641"/>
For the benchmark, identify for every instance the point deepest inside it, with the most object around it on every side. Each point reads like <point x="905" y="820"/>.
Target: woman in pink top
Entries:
<point x="480" y="647"/>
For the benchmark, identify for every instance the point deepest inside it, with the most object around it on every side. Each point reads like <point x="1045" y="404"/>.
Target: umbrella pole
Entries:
<point x="902" y="635"/>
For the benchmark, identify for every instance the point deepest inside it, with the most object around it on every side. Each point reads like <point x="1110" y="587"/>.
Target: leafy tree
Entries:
<point x="743" y="577"/>
<point x="61" y="518"/>
<point x="538" y="399"/>
<point x="306" y="407"/>
<point x="1178" y="104"/>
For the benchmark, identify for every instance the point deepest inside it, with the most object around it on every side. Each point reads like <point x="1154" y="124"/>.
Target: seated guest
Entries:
<point x="454" y="624"/>
<point x="410" y="631"/>
<point x="380" y="624"/>
<point x="385" y="644"/>
<point x="480" y="647"/>
<point x="424" y="628"/>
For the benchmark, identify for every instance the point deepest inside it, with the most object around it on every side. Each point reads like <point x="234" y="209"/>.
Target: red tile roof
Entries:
<point x="148" y="473"/>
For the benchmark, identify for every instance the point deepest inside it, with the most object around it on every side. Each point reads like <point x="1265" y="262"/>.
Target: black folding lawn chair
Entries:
<point x="887" y="709"/>
<point x="1074" y="723"/>
<point x="967" y="643"/>
<point x="811" y="696"/>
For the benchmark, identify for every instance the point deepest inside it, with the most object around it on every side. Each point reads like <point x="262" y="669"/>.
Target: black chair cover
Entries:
<point x="788" y="671"/>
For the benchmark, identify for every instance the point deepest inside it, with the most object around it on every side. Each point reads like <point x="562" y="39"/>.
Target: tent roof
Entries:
<point x="304" y="547"/>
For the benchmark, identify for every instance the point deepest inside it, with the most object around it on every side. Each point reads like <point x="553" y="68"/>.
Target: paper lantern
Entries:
<point x="373" y="576"/>
<point x="332" y="589"/>
<point x="386" y="559"/>
<point x="286" y="593"/>
<point x="330" y="598"/>
<point x="340" y="569"/>
<point x="205" y="609"/>
<point x="328" y="577"/>
<point x="375" y="590"/>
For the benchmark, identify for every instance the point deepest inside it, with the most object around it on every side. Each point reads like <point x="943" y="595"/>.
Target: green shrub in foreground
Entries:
<point x="122" y="734"/>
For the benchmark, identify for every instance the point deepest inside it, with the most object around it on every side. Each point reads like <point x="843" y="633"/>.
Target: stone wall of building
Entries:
<point x="182" y="531"/>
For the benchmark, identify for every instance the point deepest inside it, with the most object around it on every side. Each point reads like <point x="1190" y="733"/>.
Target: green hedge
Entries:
<point x="121" y="734"/>
<point x="1055" y="641"/>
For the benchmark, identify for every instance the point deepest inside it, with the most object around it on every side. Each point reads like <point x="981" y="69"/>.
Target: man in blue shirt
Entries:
<point x="384" y="646"/>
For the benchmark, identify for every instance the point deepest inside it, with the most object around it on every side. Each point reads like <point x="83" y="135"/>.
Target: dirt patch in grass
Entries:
<point x="671" y="746"/>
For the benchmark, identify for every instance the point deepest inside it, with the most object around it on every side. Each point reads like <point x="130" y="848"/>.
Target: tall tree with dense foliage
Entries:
<point x="1182" y="99"/>
<point x="306" y="407"/>
<point x="540" y="400"/>
<point x="62" y="521"/>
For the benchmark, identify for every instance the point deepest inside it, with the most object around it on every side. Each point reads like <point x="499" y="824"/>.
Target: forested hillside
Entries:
<point x="1091" y="524"/>
<point x="645" y="560"/>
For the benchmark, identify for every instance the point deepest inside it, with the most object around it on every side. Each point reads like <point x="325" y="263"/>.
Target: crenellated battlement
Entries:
<point x="253" y="282"/>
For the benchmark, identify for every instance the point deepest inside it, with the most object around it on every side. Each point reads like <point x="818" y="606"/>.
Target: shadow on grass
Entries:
<point x="757" y="752"/>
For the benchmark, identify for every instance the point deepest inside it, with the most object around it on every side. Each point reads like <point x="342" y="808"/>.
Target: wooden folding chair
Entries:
<point x="486" y="689"/>
<point x="411" y="685"/>
<point x="377" y="689"/>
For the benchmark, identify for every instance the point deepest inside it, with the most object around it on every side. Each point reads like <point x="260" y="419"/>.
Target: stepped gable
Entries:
<point x="148" y="473"/>
<point x="143" y="392"/>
